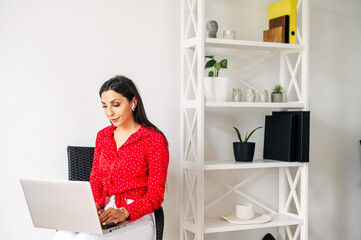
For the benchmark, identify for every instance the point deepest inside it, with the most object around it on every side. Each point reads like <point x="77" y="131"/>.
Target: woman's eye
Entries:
<point x="116" y="105"/>
<point x="104" y="106"/>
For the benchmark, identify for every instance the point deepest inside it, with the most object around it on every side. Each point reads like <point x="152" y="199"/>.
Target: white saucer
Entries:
<point x="259" y="218"/>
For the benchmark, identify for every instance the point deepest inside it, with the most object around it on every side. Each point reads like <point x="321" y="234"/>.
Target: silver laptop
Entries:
<point x="63" y="205"/>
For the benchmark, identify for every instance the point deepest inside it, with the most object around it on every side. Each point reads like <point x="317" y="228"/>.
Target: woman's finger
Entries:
<point x="109" y="213"/>
<point x="112" y="215"/>
<point x="100" y="211"/>
<point x="104" y="215"/>
<point x="97" y="206"/>
<point x="110" y="218"/>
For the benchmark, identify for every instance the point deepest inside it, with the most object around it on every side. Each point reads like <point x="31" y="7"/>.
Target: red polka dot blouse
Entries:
<point x="137" y="170"/>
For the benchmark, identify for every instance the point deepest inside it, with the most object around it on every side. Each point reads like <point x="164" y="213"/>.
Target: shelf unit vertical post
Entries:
<point x="200" y="101"/>
<point x="305" y="90"/>
<point x="305" y="53"/>
<point x="192" y="119"/>
<point x="304" y="201"/>
<point x="281" y="199"/>
<point x="181" y="87"/>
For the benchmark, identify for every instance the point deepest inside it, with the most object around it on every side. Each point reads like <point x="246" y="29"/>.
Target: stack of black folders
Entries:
<point x="287" y="136"/>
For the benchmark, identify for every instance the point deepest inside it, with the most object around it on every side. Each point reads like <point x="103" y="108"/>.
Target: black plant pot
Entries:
<point x="243" y="152"/>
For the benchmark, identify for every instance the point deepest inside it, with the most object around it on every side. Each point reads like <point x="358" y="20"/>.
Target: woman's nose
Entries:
<point x="109" y="112"/>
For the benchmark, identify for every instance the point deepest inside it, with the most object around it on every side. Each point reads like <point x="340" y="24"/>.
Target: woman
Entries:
<point x="130" y="165"/>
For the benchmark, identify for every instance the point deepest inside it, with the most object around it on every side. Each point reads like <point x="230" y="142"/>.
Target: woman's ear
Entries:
<point x="134" y="103"/>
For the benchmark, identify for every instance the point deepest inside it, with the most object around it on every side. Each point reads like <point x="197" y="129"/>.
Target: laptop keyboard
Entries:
<point x="109" y="225"/>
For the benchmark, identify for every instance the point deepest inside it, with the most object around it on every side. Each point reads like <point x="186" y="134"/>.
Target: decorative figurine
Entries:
<point x="263" y="96"/>
<point x="212" y="28"/>
<point x="251" y="95"/>
<point x="237" y="95"/>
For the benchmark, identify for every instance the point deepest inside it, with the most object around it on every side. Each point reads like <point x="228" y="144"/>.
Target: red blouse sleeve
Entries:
<point x="95" y="179"/>
<point x="158" y="160"/>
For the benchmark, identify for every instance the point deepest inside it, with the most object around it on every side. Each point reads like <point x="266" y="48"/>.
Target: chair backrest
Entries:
<point x="80" y="161"/>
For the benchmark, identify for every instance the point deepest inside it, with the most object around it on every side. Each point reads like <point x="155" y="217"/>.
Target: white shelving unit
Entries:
<point x="291" y="221"/>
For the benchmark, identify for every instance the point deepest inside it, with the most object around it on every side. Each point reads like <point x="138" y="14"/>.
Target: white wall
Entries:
<point x="54" y="55"/>
<point x="335" y="170"/>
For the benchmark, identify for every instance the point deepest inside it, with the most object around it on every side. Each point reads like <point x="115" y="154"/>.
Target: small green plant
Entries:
<point x="277" y="88"/>
<point x="247" y="136"/>
<point x="214" y="65"/>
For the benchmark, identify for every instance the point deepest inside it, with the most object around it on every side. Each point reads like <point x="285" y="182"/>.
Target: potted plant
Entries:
<point x="216" y="88"/>
<point x="244" y="150"/>
<point x="277" y="93"/>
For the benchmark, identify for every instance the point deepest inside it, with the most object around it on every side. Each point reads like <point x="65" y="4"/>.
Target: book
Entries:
<point x="302" y="131"/>
<point x="279" y="138"/>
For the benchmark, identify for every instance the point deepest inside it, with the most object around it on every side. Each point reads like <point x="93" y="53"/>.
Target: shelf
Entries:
<point x="261" y="163"/>
<point x="214" y="225"/>
<point x="252" y="45"/>
<point x="256" y="104"/>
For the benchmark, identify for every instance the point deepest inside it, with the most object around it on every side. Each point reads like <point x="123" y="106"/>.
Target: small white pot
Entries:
<point x="217" y="88"/>
<point x="276" y="97"/>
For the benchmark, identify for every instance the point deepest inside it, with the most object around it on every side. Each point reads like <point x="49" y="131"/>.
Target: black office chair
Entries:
<point x="80" y="160"/>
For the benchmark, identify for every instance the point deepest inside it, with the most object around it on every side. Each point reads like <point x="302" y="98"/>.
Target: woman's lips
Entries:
<point x="115" y="119"/>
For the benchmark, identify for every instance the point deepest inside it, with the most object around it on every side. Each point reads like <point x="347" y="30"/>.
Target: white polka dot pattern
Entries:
<point x="137" y="170"/>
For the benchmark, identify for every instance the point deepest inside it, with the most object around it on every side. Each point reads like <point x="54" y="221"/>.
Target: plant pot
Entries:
<point x="277" y="97"/>
<point x="243" y="152"/>
<point x="217" y="88"/>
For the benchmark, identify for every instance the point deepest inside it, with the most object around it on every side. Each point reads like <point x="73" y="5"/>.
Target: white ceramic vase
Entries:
<point x="218" y="89"/>
<point x="263" y="96"/>
<point x="251" y="95"/>
<point x="236" y="95"/>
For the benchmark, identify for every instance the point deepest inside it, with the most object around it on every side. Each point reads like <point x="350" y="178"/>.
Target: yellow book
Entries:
<point x="282" y="8"/>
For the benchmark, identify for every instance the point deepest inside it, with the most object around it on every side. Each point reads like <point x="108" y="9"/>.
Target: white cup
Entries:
<point x="245" y="211"/>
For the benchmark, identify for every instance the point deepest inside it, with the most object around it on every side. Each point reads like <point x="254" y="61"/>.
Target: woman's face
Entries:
<point x="117" y="108"/>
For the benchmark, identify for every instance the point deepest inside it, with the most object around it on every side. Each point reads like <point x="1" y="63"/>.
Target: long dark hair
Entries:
<point x="127" y="88"/>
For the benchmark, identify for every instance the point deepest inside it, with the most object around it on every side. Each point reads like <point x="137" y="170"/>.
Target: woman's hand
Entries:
<point x="99" y="209"/>
<point x="112" y="215"/>
<point x="97" y="206"/>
